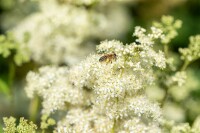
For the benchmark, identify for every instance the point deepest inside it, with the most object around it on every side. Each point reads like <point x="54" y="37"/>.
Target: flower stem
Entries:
<point x="11" y="73"/>
<point x="166" y="88"/>
<point x="166" y="94"/>
<point x="33" y="109"/>
<point x="186" y="63"/>
<point x="11" y="76"/>
<point x="113" y="129"/>
<point x="166" y="48"/>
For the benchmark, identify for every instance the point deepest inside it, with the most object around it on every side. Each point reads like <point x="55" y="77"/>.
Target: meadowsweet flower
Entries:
<point x="179" y="78"/>
<point x="67" y="28"/>
<point x="103" y="88"/>
<point x="196" y="125"/>
<point x="172" y="127"/>
<point x="46" y="122"/>
<point x="172" y="111"/>
<point x="10" y="125"/>
<point x="136" y="125"/>
<point x="82" y="121"/>
<point x="81" y="2"/>
<point x="10" y="47"/>
<point x="170" y="61"/>
<point x="169" y="27"/>
<point x="91" y="2"/>
<point x="190" y="84"/>
<point x="193" y="51"/>
<point x="51" y="84"/>
<point x="22" y="127"/>
<point x="183" y="128"/>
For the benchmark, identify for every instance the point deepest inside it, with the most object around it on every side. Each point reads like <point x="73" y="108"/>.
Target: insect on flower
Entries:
<point x="108" y="58"/>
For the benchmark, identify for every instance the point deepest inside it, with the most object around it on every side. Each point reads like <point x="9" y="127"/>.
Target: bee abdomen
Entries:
<point x="103" y="58"/>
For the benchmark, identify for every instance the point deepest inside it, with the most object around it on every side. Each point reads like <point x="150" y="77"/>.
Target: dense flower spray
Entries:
<point x="106" y="91"/>
<point x="58" y="34"/>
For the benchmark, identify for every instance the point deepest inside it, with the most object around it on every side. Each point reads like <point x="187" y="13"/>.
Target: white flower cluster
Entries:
<point x="172" y="127"/>
<point x="51" y="84"/>
<point x="80" y="2"/>
<point x="84" y="121"/>
<point x="179" y="78"/>
<point x="169" y="26"/>
<point x="90" y="2"/>
<point x="106" y="91"/>
<point x="136" y="126"/>
<point x="193" y="51"/>
<point x="189" y="84"/>
<point x="59" y="31"/>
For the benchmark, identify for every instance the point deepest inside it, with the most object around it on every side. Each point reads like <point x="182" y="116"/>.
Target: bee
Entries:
<point x="108" y="58"/>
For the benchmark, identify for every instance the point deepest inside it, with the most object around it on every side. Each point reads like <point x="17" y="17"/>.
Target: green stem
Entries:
<point x="186" y="63"/>
<point x="33" y="109"/>
<point x="11" y="76"/>
<point x="166" y="95"/>
<point x="114" y="125"/>
<point x="113" y="129"/>
<point x="121" y="72"/>
<point x="166" y="48"/>
<point x="11" y="73"/>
